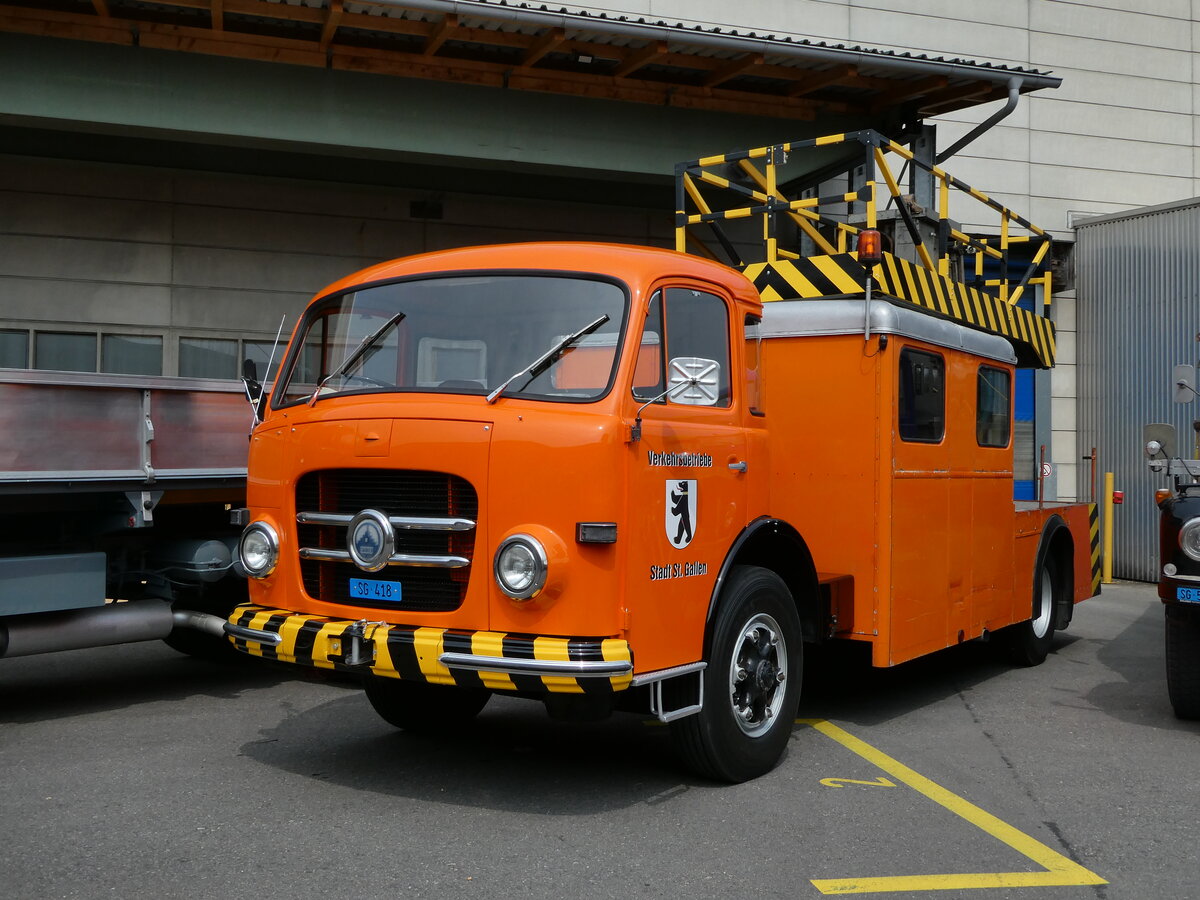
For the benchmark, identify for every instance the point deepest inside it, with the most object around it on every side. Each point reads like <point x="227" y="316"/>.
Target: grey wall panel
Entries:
<point x="58" y="300"/>
<point x="237" y="313"/>
<point x="85" y="260"/>
<point x="1138" y="279"/>
<point x="72" y="215"/>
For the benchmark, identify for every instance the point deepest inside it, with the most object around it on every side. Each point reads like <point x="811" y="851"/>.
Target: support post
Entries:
<point x="1106" y="569"/>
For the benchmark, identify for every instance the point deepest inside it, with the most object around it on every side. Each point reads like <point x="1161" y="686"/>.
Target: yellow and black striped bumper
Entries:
<point x="489" y="659"/>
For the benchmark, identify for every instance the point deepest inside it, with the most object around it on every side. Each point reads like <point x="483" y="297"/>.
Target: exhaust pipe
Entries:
<point x="97" y="626"/>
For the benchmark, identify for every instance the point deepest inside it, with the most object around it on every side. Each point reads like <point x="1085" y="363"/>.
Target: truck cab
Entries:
<point x="515" y="469"/>
<point x="1179" y="564"/>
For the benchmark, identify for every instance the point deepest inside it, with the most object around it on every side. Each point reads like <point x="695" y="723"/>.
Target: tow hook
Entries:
<point x="353" y="648"/>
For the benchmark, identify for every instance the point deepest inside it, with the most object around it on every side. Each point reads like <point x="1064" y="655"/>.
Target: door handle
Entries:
<point x="738" y="466"/>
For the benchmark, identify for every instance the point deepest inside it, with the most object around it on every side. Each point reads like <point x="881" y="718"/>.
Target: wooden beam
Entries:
<point x="307" y="51"/>
<point x="953" y="97"/>
<point x="440" y="34"/>
<point x="907" y="90"/>
<point x="642" y="57"/>
<point x="815" y="81"/>
<point x="218" y="15"/>
<point x="332" y="21"/>
<point x="733" y="69"/>
<point x="543" y="45"/>
<point x="101" y="8"/>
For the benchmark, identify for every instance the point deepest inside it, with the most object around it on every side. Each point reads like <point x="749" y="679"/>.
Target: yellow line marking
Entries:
<point x="1060" y="871"/>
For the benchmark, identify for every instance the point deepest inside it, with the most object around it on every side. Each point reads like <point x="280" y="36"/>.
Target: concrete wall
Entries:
<point x="94" y="248"/>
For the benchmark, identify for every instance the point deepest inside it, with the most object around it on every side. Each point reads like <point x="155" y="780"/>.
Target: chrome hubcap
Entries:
<point x="758" y="673"/>
<point x="1045" y="606"/>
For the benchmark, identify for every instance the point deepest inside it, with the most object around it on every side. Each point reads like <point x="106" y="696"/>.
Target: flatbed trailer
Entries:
<point x="114" y="519"/>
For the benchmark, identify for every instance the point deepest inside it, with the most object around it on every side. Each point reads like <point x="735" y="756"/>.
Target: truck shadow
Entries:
<point x="840" y="683"/>
<point x="77" y="682"/>
<point x="512" y="758"/>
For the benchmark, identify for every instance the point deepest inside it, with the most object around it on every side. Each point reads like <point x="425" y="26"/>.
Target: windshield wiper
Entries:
<point x="547" y="359"/>
<point x="359" y="352"/>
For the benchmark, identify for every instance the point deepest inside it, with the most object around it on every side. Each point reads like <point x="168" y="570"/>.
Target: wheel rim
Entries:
<point x="1045" y="605"/>
<point x="758" y="674"/>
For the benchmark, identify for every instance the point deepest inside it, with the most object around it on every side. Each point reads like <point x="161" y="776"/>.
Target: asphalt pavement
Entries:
<point x="134" y="771"/>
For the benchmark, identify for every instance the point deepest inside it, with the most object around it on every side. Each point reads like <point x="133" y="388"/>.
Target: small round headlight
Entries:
<point x="258" y="550"/>
<point x="1189" y="538"/>
<point x="521" y="566"/>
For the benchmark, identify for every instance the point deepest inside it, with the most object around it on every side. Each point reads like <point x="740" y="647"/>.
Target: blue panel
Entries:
<point x="1023" y="396"/>
<point x="1024" y="490"/>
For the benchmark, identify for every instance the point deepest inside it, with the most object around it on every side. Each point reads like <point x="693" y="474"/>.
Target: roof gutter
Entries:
<point x="1014" y="92"/>
<point x="746" y="44"/>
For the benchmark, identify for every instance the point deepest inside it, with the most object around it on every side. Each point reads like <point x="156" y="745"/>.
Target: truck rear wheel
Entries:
<point x="1183" y="661"/>
<point x="1028" y="643"/>
<point x="425" y="708"/>
<point x="751" y="684"/>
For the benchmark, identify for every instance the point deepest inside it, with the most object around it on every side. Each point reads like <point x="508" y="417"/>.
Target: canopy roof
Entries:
<point x="525" y="46"/>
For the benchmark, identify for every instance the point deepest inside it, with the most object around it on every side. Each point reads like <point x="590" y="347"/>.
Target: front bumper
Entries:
<point x="489" y="659"/>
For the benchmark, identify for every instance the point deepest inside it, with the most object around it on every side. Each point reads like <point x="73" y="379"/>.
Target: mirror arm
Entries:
<point x="635" y="433"/>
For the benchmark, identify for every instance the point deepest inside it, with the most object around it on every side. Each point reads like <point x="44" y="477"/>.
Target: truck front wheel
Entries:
<point x="1183" y="661"/>
<point x="425" y="708"/>
<point x="751" y="684"/>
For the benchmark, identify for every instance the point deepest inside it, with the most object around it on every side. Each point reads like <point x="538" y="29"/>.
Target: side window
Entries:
<point x="922" y="401"/>
<point x="686" y="323"/>
<point x="755" y="393"/>
<point x="992" y="416"/>
<point x="648" y="371"/>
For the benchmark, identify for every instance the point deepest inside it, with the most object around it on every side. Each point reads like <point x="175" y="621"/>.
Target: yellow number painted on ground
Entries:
<point x="842" y="782"/>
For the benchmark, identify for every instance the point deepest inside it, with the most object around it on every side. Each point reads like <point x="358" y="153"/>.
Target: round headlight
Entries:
<point x="521" y="566"/>
<point x="258" y="550"/>
<point x="1189" y="538"/>
<point x="371" y="540"/>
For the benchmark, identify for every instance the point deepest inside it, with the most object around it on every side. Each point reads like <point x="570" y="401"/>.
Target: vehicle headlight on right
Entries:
<point x="1189" y="538"/>
<point x="258" y="550"/>
<point x="520" y="566"/>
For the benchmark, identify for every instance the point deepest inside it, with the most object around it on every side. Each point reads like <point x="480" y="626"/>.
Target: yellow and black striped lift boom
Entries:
<point x="744" y="185"/>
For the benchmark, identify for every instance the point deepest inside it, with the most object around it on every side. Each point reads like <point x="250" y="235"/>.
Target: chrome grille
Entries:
<point x="432" y="513"/>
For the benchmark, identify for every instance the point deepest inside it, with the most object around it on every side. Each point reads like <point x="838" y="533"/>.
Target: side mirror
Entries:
<point x="694" y="381"/>
<point x="1159" y="441"/>
<point x="252" y="385"/>
<point x="1183" y="378"/>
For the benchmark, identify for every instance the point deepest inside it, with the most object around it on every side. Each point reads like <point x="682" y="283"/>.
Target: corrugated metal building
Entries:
<point x="1138" y="283"/>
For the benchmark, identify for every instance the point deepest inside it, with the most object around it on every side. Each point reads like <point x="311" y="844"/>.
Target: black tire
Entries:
<point x="1183" y="661"/>
<point x="423" y="708"/>
<point x="1027" y="643"/>
<point x="200" y="645"/>
<point x="749" y="709"/>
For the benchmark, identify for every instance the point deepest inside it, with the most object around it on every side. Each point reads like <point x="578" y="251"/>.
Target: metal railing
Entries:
<point x="746" y="185"/>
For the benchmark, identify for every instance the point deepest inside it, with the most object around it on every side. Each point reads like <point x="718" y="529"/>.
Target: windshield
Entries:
<point x="461" y="335"/>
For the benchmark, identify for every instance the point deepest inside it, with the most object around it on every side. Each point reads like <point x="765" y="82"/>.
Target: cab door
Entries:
<point x="686" y="473"/>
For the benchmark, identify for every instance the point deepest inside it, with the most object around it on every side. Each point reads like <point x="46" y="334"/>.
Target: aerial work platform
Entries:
<point x="976" y="281"/>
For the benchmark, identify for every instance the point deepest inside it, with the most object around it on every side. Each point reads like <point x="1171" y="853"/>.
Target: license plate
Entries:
<point x="365" y="589"/>
<point x="1187" y="595"/>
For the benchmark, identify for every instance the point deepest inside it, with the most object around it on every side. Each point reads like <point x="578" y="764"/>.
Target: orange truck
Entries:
<point x="611" y="477"/>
